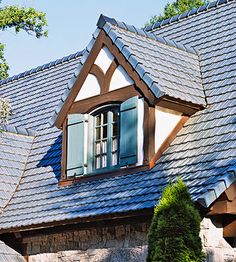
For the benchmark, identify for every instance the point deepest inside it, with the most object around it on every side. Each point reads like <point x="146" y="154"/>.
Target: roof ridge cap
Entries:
<point x="18" y="130"/>
<point x="41" y="68"/>
<point x="141" y="32"/>
<point x="187" y="14"/>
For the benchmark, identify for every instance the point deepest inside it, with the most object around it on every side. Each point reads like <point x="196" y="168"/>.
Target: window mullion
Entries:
<point x="101" y="141"/>
<point x="109" y="139"/>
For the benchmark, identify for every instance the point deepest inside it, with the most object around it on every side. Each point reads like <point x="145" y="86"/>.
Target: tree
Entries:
<point x="5" y="111"/>
<point x="177" y="7"/>
<point x="26" y="19"/>
<point x="174" y="231"/>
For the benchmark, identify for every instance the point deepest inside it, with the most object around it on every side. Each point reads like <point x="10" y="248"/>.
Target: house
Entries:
<point x="96" y="136"/>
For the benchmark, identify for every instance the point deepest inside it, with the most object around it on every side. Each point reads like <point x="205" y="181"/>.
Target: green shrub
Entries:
<point x="174" y="231"/>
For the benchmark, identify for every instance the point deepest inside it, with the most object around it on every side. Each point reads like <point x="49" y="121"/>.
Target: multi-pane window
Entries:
<point x="106" y="143"/>
<point x="105" y="139"/>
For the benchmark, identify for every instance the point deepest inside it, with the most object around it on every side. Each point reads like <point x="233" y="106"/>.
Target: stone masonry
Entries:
<point x="215" y="246"/>
<point x="117" y="243"/>
<point x="102" y="244"/>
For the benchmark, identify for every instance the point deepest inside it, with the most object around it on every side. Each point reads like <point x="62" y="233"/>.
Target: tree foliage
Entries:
<point x="177" y="7"/>
<point x="5" y="111"/>
<point x="20" y="18"/>
<point x="174" y="232"/>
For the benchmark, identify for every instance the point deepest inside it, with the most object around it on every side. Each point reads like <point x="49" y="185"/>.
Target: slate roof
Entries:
<point x="203" y="153"/>
<point x="15" y="145"/>
<point x="167" y="67"/>
<point x="8" y="254"/>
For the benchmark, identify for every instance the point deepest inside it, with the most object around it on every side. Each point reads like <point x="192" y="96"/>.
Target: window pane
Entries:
<point x="98" y="120"/>
<point x="98" y="148"/>
<point x="104" y="161"/>
<point x="98" y="133"/>
<point x="114" y="144"/>
<point x="114" y="159"/>
<point x="104" y="146"/>
<point x="104" y="132"/>
<point x="98" y="162"/>
<point x="114" y="130"/>
<point x="105" y="118"/>
<point x="115" y="117"/>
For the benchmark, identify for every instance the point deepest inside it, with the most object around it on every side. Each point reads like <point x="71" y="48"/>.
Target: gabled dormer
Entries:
<point x="130" y="95"/>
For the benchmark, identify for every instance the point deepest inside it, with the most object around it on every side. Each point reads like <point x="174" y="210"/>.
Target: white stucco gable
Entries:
<point x="104" y="59"/>
<point x="89" y="88"/>
<point x="120" y="79"/>
<point x="166" y="121"/>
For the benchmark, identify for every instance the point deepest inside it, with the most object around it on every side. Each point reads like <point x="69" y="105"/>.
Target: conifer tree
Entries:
<point x="174" y="231"/>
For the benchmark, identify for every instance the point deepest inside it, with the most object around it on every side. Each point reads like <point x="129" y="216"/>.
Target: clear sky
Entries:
<point x="70" y="25"/>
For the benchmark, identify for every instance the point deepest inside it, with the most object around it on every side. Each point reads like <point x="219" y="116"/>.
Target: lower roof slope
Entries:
<point x="8" y="254"/>
<point x="15" y="145"/>
<point x="204" y="152"/>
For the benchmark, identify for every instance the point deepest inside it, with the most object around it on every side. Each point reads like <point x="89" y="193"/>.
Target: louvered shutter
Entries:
<point x="75" y="145"/>
<point x="90" y="145"/>
<point x="129" y="132"/>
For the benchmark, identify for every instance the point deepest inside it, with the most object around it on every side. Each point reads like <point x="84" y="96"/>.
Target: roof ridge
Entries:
<point x="41" y="68"/>
<point x="18" y="130"/>
<point x="104" y="19"/>
<point x="187" y="14"/>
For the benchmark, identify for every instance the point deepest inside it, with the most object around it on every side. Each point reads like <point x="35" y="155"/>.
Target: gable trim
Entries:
<point x="87" y="66"/>
<point x="78" y="79"/>
<point x="104" y="79"/>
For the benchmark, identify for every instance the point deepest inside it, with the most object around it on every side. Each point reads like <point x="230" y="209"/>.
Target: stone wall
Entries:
<point x="215" y="246"/>
<point x="102" y="244"/>
<point x="120" y="243"/>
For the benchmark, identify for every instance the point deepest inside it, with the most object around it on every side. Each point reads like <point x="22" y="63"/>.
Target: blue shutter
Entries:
<point x="90" y="139"/>
<point x="129" y="132"/>
<point x="75" y="145"/>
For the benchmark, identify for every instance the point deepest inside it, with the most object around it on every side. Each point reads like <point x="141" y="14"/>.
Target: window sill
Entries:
<point x="102" y="174"/>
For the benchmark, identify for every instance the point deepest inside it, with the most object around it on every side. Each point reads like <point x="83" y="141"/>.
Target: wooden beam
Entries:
<point x="226" y="203"/>
<point x="148" y="212"/>
<point x="108" y="75"/>
<point x="104" y="174"/>
<point x="115" y="96"/>
<point x="80" y="80"/>
<point x="147" y="93"/>
<point x="98" y="73"/>
<point x="230" y="229"/>
<point x="231" y="192"/>
<point x="186" y="108"/>
<point x="223" y="207"/>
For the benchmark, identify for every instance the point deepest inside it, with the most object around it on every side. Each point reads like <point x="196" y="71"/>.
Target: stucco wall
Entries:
<point x="118" y="243"/>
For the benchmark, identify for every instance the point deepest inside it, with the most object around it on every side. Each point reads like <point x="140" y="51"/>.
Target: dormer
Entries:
<point x="129" y="97"/>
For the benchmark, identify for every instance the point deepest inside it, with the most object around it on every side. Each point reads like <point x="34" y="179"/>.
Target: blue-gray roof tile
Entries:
<point x="203" y="153"/>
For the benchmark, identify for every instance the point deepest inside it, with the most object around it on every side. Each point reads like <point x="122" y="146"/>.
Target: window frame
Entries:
<point x="101" y="110"/>
<point x="92" y="105"/>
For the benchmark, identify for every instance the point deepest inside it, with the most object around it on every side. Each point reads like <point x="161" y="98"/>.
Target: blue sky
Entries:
<point x="71" y="24"/>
